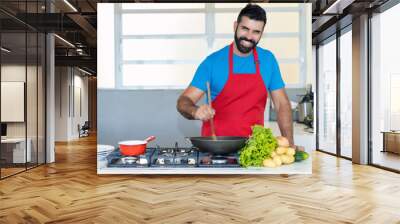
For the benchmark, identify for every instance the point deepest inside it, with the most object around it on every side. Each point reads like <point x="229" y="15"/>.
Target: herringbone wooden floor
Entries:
<point x="70" y="191"/>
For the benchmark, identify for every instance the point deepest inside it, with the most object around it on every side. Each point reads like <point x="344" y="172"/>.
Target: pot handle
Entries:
<point x="188" y="140"/>
<point x="150" y="138"/>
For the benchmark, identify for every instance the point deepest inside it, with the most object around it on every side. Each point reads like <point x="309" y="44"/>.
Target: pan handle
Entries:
<point x="188" y="139"/>
<point x="150" y="138"/>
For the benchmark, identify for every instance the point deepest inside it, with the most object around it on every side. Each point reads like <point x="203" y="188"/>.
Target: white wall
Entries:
<point x="61" y="103"/>
<point x="12" y="73"/>
<point x="79" y="117"/>
<point x="33" y="127"/>
<point x="105" y="44"/>
<point x="69" y="85"/>
<point x="17" y="73"/>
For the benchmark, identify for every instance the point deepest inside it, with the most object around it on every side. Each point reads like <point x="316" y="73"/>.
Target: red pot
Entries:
<point x="134" y="147"/>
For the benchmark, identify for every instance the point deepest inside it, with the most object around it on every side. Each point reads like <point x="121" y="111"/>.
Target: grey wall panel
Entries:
<point x="295" y="95"/>
<point x="136" y="114"/>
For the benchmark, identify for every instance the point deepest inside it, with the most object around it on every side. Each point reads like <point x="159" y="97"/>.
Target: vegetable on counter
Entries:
<point x="282" y="141"/>
<point x="259" y="146"/>
<point x="283" y="154"/>
<point x="263" y="149"/>
<point x="300" y="156"/>
<point x="269" y="163"/>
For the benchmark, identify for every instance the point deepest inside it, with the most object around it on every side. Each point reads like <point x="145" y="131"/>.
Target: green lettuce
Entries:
<point x="258" y="147"/>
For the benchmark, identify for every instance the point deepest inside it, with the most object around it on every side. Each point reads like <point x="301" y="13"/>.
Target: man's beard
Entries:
<point x="243" y="49"/>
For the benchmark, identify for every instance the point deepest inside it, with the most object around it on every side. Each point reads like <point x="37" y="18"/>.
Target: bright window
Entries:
<point x="327" y="96"/>
<point x="140" y="6"/>
<point x="143" y="75"/>
<point x="159" y="46"/>
<point x="346" y="94"/>
<point x="163" y="49"/>
<point x="163" y="23"/>
<point x="385" y="85"/>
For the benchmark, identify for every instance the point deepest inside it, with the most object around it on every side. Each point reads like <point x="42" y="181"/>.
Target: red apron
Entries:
<point x="240" y="104"/>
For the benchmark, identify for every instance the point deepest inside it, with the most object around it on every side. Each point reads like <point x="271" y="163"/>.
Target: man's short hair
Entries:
<point x="254" y="12"/>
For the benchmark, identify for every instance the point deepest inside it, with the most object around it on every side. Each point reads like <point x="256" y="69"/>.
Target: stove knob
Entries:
<point x="178" y="160"/>
<point x="169" y="161"/>
<point x="143" y="161"/>
<point x="161" y="161"/>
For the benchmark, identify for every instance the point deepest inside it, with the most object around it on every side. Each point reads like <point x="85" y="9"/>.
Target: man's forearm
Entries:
<point x="285" y="122"/>
<point x="186" y="107"/>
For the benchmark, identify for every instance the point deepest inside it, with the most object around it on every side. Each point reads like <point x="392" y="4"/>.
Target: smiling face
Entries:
<point x="247" y="34"/>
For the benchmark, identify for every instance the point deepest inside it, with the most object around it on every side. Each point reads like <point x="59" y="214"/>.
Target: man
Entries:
<point x="240" y="76"/>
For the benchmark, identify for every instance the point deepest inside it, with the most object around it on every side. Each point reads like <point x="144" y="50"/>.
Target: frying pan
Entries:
<point x="221" y="146"/>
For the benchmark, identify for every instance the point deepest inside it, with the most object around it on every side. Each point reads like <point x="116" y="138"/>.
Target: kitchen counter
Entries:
<point x="304" y="167"/>
<point x="298" y="128"/>
<point x="301" y="136"/>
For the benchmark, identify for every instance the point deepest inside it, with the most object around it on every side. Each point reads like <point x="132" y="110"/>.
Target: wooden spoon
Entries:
<point x="213" y="136"/>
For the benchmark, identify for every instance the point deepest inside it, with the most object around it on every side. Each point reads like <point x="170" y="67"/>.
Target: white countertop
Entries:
<point x="14" y="140"/>
<point x="298" y="128"/>
<point x="300" y="135"/>
<point x="304" y="167"/>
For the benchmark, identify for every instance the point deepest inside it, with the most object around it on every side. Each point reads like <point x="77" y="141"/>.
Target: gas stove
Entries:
<point x="173" y="157"/>
<point x="116" y="159"/>
<point x="214" y="161"/>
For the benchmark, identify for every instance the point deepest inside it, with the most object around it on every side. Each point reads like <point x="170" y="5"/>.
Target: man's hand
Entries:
<point x="298" y="148"/>
<point x="204" y="113"/>
<point x="186" y="105"/>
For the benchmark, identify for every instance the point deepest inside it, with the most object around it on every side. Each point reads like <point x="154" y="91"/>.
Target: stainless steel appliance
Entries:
<point x="304" y="109"/>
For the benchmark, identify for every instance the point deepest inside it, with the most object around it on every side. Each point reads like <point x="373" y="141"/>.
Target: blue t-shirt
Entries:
<point x="215" y="69"/>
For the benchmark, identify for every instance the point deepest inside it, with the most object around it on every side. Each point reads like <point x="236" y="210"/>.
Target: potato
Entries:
<point x="273" y="154"/>
<point x="277" y="160"/>
<point x="291" y="159"/>
<point x="281" y="150"/>
<point x="290" y="151"/>
<point x="269" y="163"/>
<point x="282" y="141"/>
<point x="285" y="159"/>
